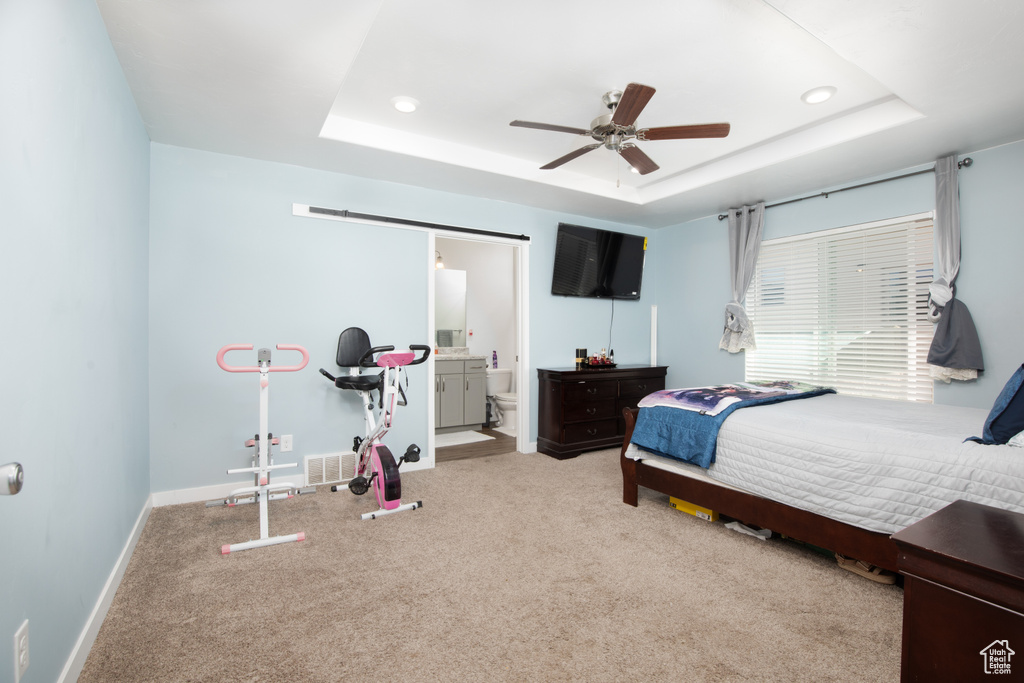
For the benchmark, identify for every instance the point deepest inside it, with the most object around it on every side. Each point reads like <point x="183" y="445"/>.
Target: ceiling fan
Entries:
<point x="616" y="130"/>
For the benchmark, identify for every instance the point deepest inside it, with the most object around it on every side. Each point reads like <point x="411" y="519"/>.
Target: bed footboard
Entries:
<point x="869" y="546"/>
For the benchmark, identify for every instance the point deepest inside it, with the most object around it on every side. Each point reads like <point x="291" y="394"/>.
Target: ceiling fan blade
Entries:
<point x="637" y="159"/>
<point x="634" y="98"/>
<point x="570" y="156"/>
<point x="701" y="130"/>
<point x="548" y="126"/>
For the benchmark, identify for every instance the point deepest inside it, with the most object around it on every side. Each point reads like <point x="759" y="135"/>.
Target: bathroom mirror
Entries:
<point x="450" y="307"/>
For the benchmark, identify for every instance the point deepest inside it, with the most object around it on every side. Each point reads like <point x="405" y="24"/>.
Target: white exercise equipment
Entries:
<point x="262" y="492"/>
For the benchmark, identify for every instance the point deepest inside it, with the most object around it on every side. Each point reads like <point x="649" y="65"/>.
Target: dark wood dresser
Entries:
<point x="581" y="410"/>
<point x="963" y="600"/>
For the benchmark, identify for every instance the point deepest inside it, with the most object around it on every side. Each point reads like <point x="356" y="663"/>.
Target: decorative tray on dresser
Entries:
<point x="581" y="410"/>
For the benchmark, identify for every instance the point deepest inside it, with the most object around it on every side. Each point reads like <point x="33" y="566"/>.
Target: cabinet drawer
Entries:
<point x="589" y="431"/>
<point x="589" y="391"/>
<point x="590" y="410"/>
<point x="640" y="387"/>
<point x="476" y="365"/>
<point x="449" y="367"/>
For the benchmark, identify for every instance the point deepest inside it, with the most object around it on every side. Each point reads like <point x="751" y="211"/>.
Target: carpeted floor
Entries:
<point x="518" y="568"/>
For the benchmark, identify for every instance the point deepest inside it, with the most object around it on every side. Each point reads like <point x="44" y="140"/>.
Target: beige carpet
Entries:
<point x="518" y="568"/>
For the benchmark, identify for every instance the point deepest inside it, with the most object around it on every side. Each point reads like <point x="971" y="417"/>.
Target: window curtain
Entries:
<point x="745" y="227"/>
<point x="955" y="352"/>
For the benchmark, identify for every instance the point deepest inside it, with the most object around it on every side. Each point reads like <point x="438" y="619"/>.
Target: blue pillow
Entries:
<point x="1006" y="419"/>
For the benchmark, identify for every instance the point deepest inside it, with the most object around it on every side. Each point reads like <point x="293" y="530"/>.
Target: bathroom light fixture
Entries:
<point x="438" y="262"/>
<point x="406" y="105"/>
<point x="818" y="95"/>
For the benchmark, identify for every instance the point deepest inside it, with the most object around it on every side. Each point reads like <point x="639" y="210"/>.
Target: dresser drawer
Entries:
<point x="640" y="387"/>
<point x="590" y="410"/>
<point x="589" y="391"/>
<point x="590" y="431"/>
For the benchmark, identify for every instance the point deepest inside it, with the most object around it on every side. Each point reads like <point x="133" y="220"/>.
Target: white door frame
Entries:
<point x="522" y="264"/>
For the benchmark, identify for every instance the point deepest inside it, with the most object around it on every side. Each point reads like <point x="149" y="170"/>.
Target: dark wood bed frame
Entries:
<point x="869" y="546"/>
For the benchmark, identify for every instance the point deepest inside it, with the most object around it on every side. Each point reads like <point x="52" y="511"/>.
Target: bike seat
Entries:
<point x="360" y="382"/>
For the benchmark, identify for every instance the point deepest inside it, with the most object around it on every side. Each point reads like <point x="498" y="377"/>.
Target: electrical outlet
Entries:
<point x="20" y="651"/>
<point x="286" y="443"/>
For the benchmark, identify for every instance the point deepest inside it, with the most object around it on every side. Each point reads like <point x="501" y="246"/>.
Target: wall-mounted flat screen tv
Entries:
<point x="598" y="263"/>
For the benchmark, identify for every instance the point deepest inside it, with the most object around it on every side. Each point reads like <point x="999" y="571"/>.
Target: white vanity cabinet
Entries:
<point x="460" y="392"/>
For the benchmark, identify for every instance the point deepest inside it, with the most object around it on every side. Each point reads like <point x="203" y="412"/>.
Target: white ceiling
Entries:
<point x="310" y="82"/>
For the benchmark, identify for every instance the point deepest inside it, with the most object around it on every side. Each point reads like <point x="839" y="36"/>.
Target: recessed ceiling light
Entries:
<point x="818" y="95"/>
<point x="406" y="105"/>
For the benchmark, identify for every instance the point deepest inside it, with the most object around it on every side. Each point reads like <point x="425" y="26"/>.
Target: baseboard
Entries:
<point x="215" y="491"/>
<point x="80" y="652"/>
<point x="531" y="447"/>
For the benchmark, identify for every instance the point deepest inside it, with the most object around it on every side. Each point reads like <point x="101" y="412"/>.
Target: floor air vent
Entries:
<point x="329" y="469"/>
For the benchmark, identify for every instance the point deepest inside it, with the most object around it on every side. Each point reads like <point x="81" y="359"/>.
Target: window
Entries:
<point x="846" y="308"/>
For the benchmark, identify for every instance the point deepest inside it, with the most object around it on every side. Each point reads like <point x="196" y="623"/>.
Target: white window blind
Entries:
<point x="846" y="308"/>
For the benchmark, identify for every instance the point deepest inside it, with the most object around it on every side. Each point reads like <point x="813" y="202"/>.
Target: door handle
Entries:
<point x="12" y="476"/>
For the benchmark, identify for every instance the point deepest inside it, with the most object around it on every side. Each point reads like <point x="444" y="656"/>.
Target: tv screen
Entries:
<point x="598" y="263"/>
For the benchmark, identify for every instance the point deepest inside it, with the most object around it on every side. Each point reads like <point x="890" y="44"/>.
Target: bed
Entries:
<point x="838" y="472"/>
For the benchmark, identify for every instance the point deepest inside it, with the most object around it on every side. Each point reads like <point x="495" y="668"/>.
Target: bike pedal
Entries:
<point x="359" y="485"/>
<point x="412" y="453"/>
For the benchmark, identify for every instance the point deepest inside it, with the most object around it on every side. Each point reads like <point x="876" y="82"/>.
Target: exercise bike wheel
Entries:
<point x="387" y="485"/>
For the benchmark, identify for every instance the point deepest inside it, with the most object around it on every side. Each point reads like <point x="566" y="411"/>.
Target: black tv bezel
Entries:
<point x="618" y="297"/>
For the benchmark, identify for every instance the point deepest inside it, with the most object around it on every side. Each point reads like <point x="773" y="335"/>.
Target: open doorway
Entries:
<point x="479" y="324"/>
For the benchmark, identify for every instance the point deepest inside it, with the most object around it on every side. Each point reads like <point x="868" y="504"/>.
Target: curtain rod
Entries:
<point x="966" y="163"/>
<point x="345" y="213"/>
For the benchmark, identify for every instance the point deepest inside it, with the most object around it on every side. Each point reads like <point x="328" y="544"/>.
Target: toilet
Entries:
<point x="503" y="401"/>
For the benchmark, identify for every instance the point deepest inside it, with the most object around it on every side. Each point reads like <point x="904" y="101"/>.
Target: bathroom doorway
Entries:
<point x="480" y="303"/>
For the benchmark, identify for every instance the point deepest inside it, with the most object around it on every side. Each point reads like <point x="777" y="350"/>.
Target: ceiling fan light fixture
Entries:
<point x="818" y="95"/>
<point x="406" y="105"/>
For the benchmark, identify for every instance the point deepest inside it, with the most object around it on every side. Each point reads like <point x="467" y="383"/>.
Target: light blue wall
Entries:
<point x="231" y="264"/>
<point x="74" y="179"/>
<point x="693" y="268"/>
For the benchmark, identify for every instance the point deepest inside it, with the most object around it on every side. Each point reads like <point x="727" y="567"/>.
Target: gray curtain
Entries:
<point x="955" y="352"/>
<point x="745" y="227"/>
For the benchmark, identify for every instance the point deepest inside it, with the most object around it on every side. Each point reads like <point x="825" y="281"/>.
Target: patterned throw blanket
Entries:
<point x="684" y="423"/>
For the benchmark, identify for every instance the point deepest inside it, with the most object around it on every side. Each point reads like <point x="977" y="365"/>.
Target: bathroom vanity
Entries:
<point x="460" y="390"/>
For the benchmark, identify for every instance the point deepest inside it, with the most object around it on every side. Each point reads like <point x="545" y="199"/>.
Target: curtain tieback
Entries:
<point x="736" y="317"/>
<point x="940" y="293"/>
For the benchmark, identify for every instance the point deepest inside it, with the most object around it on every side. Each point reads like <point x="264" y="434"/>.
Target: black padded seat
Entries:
<point x="353" y="343"/>
<point x="360" y="382"/>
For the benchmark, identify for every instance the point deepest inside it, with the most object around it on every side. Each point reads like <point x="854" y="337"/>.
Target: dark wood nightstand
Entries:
<point x="963" y="602"/>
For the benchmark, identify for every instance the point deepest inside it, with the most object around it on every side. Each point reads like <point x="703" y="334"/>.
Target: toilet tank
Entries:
<point x="499" y="381"/>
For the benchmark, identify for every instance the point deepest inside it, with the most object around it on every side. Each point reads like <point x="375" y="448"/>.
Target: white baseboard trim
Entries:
<point x="80" y="652"/>
<point x="212" y="492"/>
<point x="531" y="447"/>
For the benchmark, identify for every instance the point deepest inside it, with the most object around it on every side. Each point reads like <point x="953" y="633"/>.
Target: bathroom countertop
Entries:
<point x="458" y="356"/>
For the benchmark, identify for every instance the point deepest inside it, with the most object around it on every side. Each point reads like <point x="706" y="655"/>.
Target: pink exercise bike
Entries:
<point x="375" y="465"/>
<point x="262" y="491"/>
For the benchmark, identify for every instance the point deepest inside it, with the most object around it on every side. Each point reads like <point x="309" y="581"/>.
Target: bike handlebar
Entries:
<point x="420" y="347"/>
<point x="367" y="360"/>
<point x="250" y="368"/>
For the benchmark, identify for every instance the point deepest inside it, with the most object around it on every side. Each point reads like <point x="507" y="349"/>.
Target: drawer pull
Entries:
<point x="592" y="431"/>
<point x="591" y="390"/>
<point x="591" y="411"/>
<point x="642" y="387"/>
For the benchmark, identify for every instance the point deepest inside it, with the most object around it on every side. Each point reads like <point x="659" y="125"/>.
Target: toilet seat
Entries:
<point x="511" y="398"/>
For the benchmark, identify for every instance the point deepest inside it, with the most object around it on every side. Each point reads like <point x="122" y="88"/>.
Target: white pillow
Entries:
<point x="1017" y="441"/>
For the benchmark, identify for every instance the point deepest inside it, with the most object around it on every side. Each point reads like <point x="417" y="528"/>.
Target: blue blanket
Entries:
<point x="692" y="436"/>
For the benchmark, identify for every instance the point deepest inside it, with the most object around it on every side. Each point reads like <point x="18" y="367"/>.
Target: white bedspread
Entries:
<point x="879" y="465"/>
